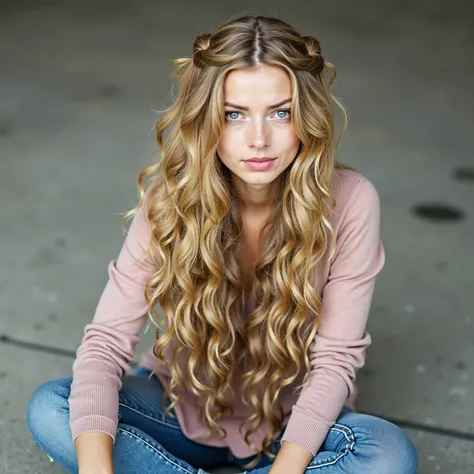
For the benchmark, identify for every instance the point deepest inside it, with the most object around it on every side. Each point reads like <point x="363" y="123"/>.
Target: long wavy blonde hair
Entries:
<point x="196" y="224"/>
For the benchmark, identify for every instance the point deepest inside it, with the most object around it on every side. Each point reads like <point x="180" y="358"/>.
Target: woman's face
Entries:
<point x="258" y="124"/>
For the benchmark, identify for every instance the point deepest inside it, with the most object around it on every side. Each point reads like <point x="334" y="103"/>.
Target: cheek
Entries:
<point x="225" y="143"/>
<point x="291" y="140"/>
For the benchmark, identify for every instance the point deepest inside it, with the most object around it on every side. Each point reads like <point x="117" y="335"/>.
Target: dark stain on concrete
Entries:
<point x="5" y="130"/>
<point x="60" y="242"/>
<point x="108" y="90"/>
<point x="44" y="258"/>
<point x="366" y="372"/>
<point x="464" y="173"/>
<point x="94" y="93"/>
<point x="439" y="212"/>
<point x="38" y="326"/>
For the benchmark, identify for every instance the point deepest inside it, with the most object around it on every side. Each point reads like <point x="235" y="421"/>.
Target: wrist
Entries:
<point x="291" y="458"/>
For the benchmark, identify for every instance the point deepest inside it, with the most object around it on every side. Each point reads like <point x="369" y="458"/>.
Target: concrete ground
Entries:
<point x="80" y="86"/>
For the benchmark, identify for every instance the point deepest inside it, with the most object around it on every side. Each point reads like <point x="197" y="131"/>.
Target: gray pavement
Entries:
<point x="79" y="87"/>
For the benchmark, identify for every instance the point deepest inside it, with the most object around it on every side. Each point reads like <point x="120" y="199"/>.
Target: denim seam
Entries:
<point x="138" y="409"/>
<point x="154" y="448"/>
<point x="152" y="418"/>
<point x="326" y="463"/>
<point x="349" y="435"/>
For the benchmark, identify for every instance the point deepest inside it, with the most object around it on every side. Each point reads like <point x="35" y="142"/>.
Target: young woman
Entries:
<point x="262" y="252"/>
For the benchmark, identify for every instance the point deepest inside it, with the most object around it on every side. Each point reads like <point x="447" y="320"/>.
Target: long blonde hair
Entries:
<point x="196" y="223"/>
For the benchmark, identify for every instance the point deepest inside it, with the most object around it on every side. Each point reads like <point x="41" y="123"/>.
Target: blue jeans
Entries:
<point x="145" y="444"/>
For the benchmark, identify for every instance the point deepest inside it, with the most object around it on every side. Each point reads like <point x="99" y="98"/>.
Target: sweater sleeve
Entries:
<point x="109" y="340"/>
<point x="338" y="349"/>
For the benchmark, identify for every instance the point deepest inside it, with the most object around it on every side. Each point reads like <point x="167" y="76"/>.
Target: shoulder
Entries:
<point x="353" y="192"/>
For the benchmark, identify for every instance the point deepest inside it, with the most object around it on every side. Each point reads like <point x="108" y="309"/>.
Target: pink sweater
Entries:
<point x="337" y="352"/>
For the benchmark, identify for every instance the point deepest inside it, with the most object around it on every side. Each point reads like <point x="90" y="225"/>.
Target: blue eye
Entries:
<point x="228" y="116"/>
<point x="284" y="111"/>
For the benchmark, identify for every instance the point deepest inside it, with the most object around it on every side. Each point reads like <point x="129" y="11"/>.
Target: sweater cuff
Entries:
<point x="306" y="432"/>
<point x="93" y="423"/>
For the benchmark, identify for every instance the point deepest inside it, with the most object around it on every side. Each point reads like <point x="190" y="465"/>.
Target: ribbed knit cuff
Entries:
<point x="306" y="432"/>
<point x="93" y="423"/>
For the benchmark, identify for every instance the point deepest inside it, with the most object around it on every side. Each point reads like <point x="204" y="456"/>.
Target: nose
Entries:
<point x="258" y="134"/>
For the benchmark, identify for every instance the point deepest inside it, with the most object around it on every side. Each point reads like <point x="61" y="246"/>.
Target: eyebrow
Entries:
<point x="241" y="107"/>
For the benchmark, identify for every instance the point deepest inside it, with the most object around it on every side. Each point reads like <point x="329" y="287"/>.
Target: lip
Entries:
<point x="260" y="160"/>
<point x="256" y="166"/>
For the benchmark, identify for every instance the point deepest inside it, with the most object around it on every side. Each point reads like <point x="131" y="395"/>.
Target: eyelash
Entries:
<point x="237" y="112"/>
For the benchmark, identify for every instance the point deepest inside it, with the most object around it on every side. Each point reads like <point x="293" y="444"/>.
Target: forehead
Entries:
<point x="258" y="86"/>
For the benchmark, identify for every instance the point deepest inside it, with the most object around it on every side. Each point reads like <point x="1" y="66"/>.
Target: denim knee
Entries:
<point x="402" y="451"/>
<point x="47" y="414"/>
<point x="395" y="453"/>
